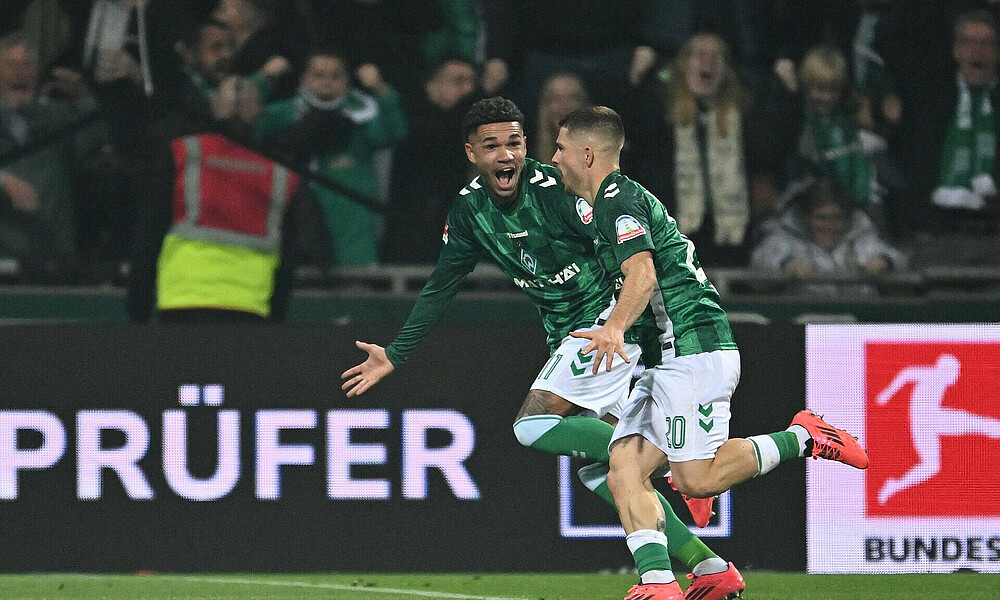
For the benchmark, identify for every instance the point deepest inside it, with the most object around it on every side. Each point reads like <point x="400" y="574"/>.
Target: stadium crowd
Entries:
<point x="844" y="136"/>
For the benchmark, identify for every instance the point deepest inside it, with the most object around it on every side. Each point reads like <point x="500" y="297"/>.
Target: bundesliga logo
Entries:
<point x="931" y="425"/>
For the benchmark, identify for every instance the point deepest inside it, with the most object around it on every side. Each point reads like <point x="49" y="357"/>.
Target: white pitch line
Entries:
<point x="338" y="587"/>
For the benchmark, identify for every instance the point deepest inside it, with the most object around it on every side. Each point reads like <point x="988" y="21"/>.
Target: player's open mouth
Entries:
<point x="707" y="74"/>
<point x="506" y="176"/>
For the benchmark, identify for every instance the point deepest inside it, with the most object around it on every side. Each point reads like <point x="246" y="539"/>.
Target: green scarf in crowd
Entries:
<point x="970" y="146"/>
<point x="840" y="155"/>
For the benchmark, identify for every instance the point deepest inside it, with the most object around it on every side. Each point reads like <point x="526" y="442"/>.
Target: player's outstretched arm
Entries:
<point x="361" y="377"/>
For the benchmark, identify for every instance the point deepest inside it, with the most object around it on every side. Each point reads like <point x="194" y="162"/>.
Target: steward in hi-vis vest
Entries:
<point x="212" y="244"/>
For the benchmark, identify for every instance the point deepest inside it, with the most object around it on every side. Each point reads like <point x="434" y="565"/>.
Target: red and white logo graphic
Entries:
<point x="585" y="210"/>
<point x="628" y="228"/>
<point x="933" y="424"/>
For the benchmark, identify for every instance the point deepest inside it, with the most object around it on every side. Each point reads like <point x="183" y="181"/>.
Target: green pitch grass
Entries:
<point x="760" y="586"/>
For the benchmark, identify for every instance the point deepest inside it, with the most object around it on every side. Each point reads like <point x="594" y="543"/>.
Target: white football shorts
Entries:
<point x="682" y="405"/>
<point x="570" y="375"/>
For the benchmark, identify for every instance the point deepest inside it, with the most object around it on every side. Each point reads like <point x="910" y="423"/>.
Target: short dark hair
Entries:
<point x="490" y="110"/>
<point x="596" y="120"/>
<point x="826" y="191"/>
<point x="191" y="31"/>
<point x="980" y="16"/>
<point x="439" y="65"/>
<point x="327" y="52"/>
<point x="19" y="39"/>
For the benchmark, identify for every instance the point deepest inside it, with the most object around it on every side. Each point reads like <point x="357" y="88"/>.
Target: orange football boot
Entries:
<point x="717" y="586"/>
<point x="655" y="591"/>
<point x="831" y="443"/>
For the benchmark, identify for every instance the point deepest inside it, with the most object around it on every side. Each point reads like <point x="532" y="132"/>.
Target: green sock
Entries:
<point x="651" y="557"/>
<point x="649" y="550"/>
<point x="683" y="545"/>
<point x="588" y="437"/>
<point x="579" y="437"/>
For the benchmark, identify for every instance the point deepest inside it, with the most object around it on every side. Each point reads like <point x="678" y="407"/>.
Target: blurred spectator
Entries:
<point x="820" y="233"/>
<point x="268" y="37"/>
<point x="952" y="150"/>
<point x="339" y="128"/>
<point x="697" y="145"/>
<point x="599" y="41"/>
<point x="823" y="135"/>
<point x="48" y="25"/>
<point x="211" y="91"/>
<point x="36" y="193"/>
<point x="800" y="26"/>
<point x="434" y="168"/>
<point x="872" y="76"/>
<point x="127" y="46"/>
<point x="405" y="38"/>
<point x="562" y="94"/>
<point x="742" y="24"/>
<point x="216" y="237"/>
<point x="124" y="50"/>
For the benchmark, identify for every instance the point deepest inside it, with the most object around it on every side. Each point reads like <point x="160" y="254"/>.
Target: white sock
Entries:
<point x="768" y="456"/>
<point x="710" y="566"/>
<point x="658" y="577"/>
<point x="802" y="435"/>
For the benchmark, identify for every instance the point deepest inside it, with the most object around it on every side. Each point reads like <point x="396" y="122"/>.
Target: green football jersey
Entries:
<point x="684" y="313"/>
<point x="543" y="241"/>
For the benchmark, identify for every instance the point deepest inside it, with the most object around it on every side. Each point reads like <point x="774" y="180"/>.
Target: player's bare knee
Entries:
<point x="617" y="483"/>
<point x="622" y="476"/>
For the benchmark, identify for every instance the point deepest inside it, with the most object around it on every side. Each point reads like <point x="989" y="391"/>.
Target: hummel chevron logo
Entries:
<point x="539" y="176"/>
<point x="474" y="184"/>
<point x="707" y="425"/>
<point x="705" y="412"/>
<point x="584" y="359"/>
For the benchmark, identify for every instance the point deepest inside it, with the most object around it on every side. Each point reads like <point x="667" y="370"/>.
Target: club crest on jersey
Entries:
<point x="585" y="210"/>
<point x="528" y="261"/>
<point x="628" y="228"/>
<point x="444" y="235"/>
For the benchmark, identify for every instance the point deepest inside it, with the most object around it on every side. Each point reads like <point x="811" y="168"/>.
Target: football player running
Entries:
<point x="677" y="416"/>
<point x="517" y="212"/>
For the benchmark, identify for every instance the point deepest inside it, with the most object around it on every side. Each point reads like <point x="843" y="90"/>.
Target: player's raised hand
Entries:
<point x="607" y="341"/>
<point x="361" y="377"/>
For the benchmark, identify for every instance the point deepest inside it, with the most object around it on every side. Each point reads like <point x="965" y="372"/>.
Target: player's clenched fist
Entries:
<point x="361" y="377"/>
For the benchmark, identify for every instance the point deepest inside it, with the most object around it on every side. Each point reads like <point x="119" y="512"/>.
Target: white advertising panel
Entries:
<point x="925" y="402"/>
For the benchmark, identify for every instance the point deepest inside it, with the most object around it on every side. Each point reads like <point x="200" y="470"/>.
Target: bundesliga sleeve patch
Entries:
<point x="585" y="210"/>
<point x="444" y="235"/>
<point x="628" y="228"/>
